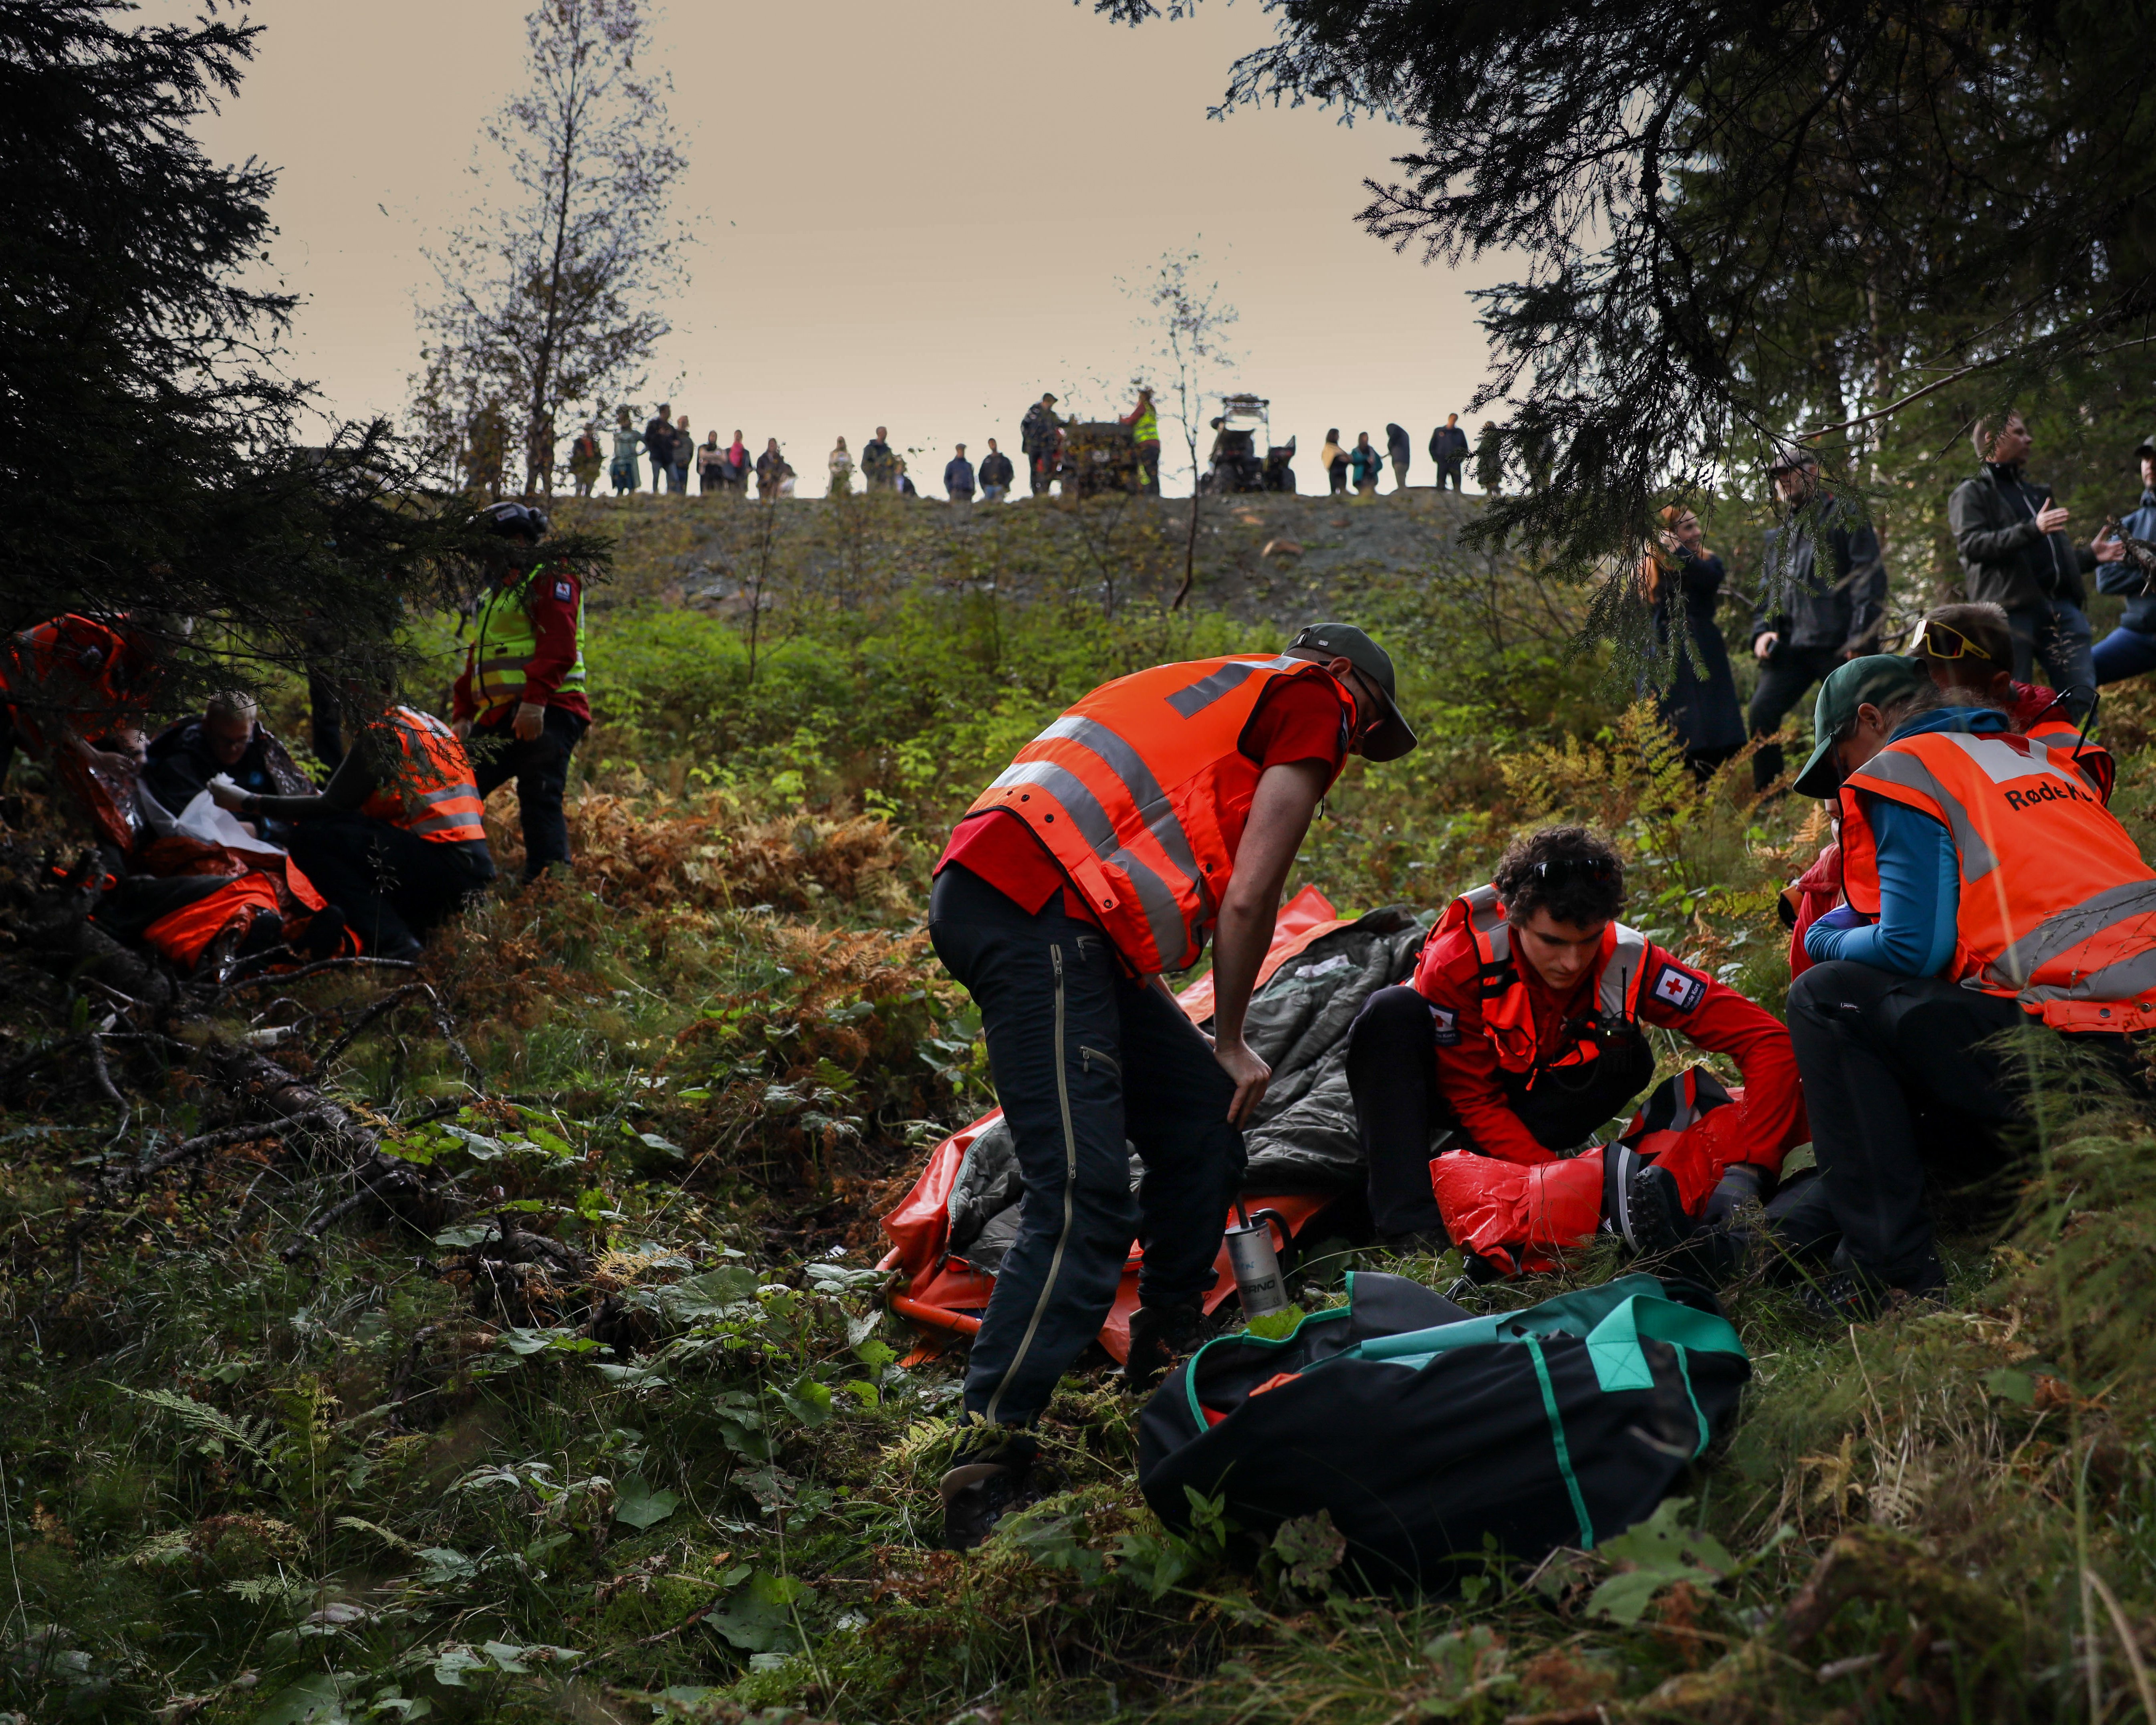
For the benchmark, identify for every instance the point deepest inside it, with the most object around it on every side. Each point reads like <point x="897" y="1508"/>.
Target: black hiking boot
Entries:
<point x="1639" y="1202"/>
<point x="985" y="1479"/>
<point x="1852" y="1296"/>
<point x="1741" y="1183"/>
<point x="1158" y="1335"/>
<point x="1726" y="1240"/>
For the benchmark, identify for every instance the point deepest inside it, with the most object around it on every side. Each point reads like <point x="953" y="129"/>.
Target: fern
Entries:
<point x="172" y="1547"/>
<point x="257" y="1590"/>
<point x="395" y="1542"/>
<point x="214" y="1427"/>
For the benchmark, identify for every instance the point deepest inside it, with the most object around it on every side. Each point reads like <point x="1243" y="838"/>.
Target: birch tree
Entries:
<point x="553" y="292"/>
<point x="1188" y="321"/>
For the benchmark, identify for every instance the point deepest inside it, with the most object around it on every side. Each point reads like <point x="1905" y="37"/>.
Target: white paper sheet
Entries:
<point x="203" y="819"/>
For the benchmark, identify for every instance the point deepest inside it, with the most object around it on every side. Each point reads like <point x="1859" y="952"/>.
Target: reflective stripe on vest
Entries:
<point x="2067" y="740"/>
<point x="507" y="641"/>
<point x="1140" y="791"/>
<point x="434" y="794"/>
<point x="1508" y="1019"/>
<point x="2057" y="909"/>
<point x="1145" y="429"/>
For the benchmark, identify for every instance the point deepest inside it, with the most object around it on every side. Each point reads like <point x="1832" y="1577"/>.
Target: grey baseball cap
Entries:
<point x="1392" y="736"/>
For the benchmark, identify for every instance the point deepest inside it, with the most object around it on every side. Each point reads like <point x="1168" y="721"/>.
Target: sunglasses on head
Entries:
<point x="1558" y="870"/>
<point x="1943" y="640"/>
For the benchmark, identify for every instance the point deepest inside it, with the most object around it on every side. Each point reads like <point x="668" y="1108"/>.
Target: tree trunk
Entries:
<point x="1190" y="545"/>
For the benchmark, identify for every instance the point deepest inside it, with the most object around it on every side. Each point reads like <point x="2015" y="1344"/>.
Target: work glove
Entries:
<point x="1741" y="1183"/>
<point x="530" y="720"/>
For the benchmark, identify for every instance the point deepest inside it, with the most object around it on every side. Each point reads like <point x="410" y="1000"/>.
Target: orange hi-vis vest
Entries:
<point x="2057" y="731"/>
<point x="1508" y="1017"/>
<point x="434" y="794"/>
<point x="2058" y="910"/>
<point x="1140" y="791"/>
<point x="78" y="670"/>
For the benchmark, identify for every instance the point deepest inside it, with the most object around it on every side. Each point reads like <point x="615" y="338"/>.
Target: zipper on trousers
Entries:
<point x="1088" y="1057"/>
<point x="1070" y="1190"/>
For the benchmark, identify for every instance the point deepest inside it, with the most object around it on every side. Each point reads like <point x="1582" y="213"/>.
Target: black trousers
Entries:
<point x="392" y="885"/>
<point x="1784" y="679"/>
<point x="1448" y="471"/>
<point x="1905" y="1091"/>
<point x="541" y="769"/>
<point x="1392" y="1072"/>
<point x="1084" y="1058"/>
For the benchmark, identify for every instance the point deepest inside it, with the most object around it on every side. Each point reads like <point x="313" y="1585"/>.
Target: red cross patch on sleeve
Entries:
<point x="1681" y="990"/>
<point x="563" y="591"/>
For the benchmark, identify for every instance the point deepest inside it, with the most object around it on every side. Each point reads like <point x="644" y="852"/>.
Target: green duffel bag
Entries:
<point x="1425" y="1430"/>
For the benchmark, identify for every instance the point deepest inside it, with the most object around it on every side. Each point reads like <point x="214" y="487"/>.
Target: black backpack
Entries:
<point x="1425" y="1430"/>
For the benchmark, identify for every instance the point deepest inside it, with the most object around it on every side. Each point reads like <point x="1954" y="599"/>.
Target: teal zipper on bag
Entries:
<point x="1534" y="1346"/>
<point x="1243" y="1336"/>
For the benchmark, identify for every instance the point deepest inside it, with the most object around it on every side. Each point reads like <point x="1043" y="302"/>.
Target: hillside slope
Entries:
<point x="502" y="1340"/>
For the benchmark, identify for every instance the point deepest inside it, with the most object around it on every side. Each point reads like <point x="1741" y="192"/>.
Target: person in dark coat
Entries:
<point x="958" y="477"/>
<point x="769" y="467"/>
<point x="227" y="738"/>
<point x="2015" y="552"/>
<point x="658" y="442"/>
<point x="1040" y="441"/>
<point x="2130" y="649"/>
<point x="1448" y="447"/>
<point x="878" y="465"/>
<point x="1815" y="612"/>
<point x="1684" y="586"/>
<point x="1399" y="450"/>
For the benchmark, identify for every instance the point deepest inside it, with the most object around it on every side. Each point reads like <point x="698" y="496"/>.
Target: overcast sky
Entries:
<point x="913" y="215"/>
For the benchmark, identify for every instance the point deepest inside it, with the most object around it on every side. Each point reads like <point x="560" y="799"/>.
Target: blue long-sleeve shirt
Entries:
<point x="1919" y="874"/>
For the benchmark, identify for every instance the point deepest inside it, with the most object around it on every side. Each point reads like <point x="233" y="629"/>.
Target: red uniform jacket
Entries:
<point x="1673" y="994"/>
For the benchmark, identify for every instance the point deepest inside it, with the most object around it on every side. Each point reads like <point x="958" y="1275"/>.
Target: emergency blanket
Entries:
<point x="1425" y="1431"/>
<point x="186" y="893"/>
<point x="196" y="877"/>
<point x="1518" y="1217"/>
<point x="949" y="1234"/>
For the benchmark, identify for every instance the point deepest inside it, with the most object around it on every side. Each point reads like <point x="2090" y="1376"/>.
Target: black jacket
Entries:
<point x="996" y="469"/>
<point x="2004" y="557"/>
<point x="1036" y="432"/>
<point x="179" y="765"/>
<point x="1448" y="443"/>
<point x="1841" y="606"/>
<point x="658" y="438"/>
<point x="1397" y="444"/>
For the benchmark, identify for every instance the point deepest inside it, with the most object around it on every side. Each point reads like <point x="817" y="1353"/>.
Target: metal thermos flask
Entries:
<point x="1258" y="1278"/>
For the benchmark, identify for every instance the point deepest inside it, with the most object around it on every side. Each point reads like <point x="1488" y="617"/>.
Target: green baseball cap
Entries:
<point x="1392" y="736"/>
<point x="1877" y="679"/>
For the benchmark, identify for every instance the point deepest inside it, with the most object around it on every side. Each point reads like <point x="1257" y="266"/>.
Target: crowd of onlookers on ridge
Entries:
<point x="666" y="449"/>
